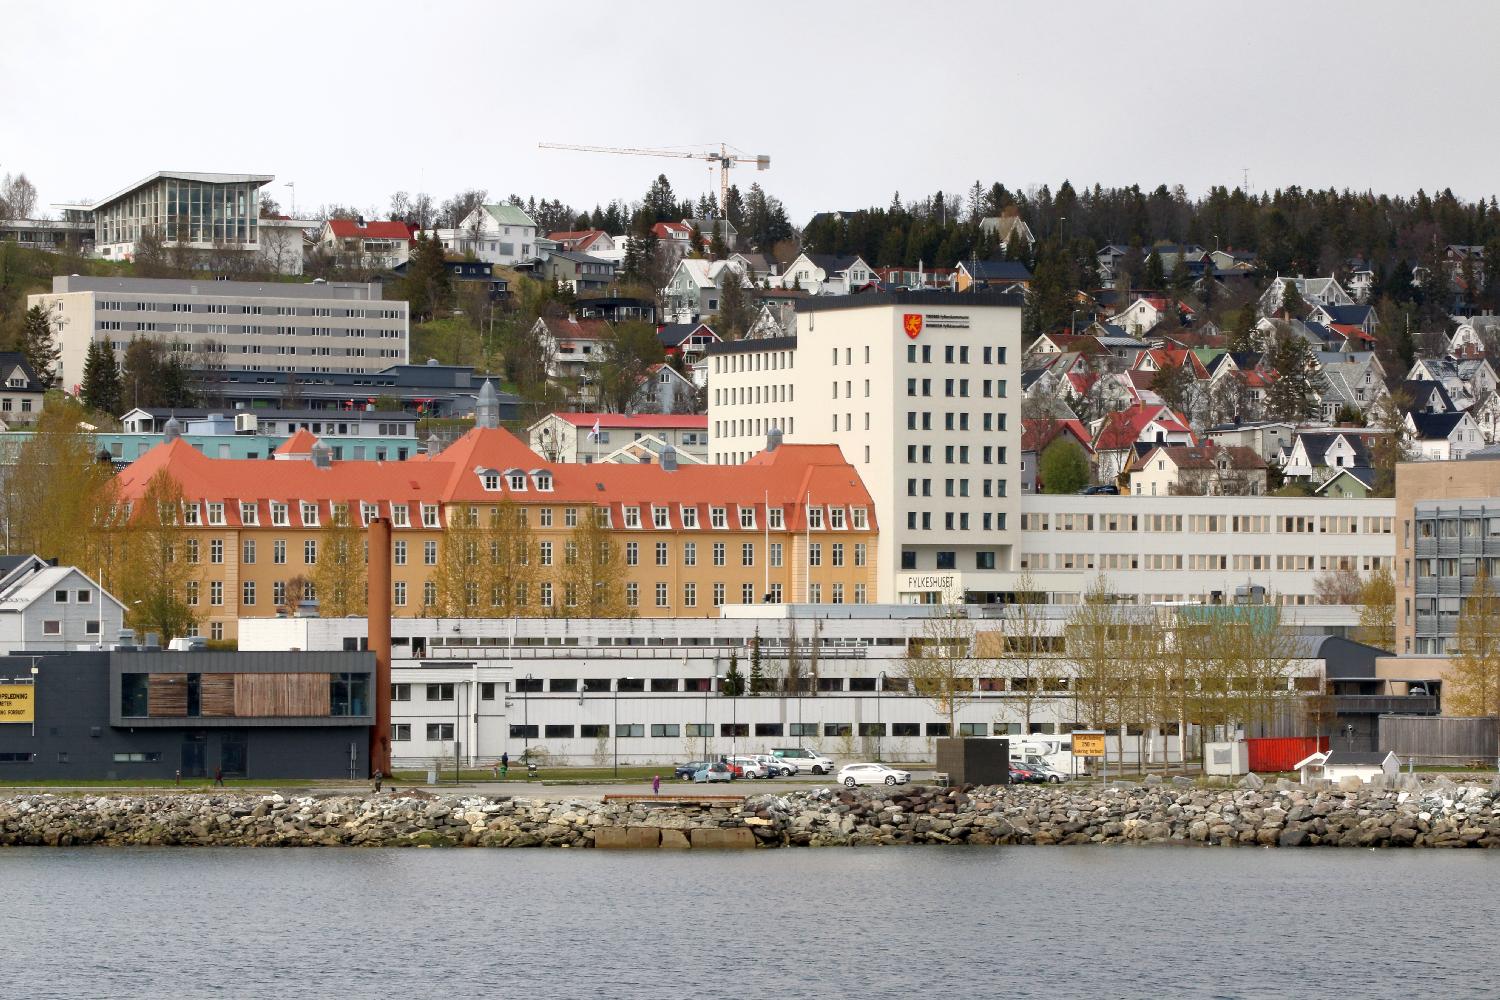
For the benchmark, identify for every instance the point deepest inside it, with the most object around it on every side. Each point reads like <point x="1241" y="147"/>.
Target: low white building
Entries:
<point x="1336" y="765"/>
<point x="592" y="437"/>
<point x="46" y="608"/>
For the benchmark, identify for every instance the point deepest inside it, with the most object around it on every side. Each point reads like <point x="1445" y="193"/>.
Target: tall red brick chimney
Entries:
<point x="379" y="639"/>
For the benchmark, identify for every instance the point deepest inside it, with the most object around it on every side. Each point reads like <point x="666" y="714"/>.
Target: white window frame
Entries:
<point x="689" y="514"/>
<point x="249" y="513"/>
<point x="632" y="516"/>
<point x="305" y="509"/>
<point x="400" y="515"/>
<point x="190" y="514"/>
<point x="543" y="480"/>
<point x="777" y="518"/>
<point x="718" y="517"/>
<point x="747" y="518"/>
<point x="661" y="517"/>
<point x="280" y="514"/>
<point x="216" y="514"/>
<point x="430" y="515"/>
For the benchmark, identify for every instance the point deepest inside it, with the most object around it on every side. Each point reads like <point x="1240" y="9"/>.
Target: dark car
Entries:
<point x="686" y="771"/>
<point x="1096" y="491"/>
<point x="1021" y="775"/>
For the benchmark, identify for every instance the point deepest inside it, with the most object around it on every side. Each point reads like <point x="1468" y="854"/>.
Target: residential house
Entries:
<point x="1348" y="484"/>
<point x="382" y="245"/>
<point x="579" y="273"/>
<point x="991" y="275"/>
<point x="1440" y="437"/>
<point x="1317" y="455"/>
<point x="573" y="348"/>
<point x="1354" y="379"/>
<point x="1467" y="381"/>
<point x="826" y="274"/>
<point x="498" y="234"/>
<point x="589" y="437"/>
<point x="1425" y="397"/>
<point x="1117" y="435"/>
<point x="589" y="241"/>
<point x="1198" y="470"/>
<point x="674" y="239"/>
<point x="21" y="391"/>
<point x="1007" y="226"/>
<point x="1313" y="291"/>
<point x="1267" y="438"/>
<point x="1336" y="316"/>
<point x="1039" y="432"/>
<point x="47" y="608"/>
<point x="919" y="277"/>
<point x="664" y="389"/>
<point x="1107" y="262"/>
<point x="1361" y="280"/>
<point x="708" y="227"/>
<point x="695" y="286"/>
<point x="686" y="340"/>
<point x="1148" y="312"/>
<point x="759" y="267"/>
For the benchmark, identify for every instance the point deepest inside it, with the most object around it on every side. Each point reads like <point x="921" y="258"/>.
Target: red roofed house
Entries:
<point x="1039" y="432"/>
<point x="489" y="528"/>
<point x="572" y="437"/>
<point x="1198" y="470"/>
<point x="573" y="348"/>
<point x="1146" y="313"/>
<point x="1119" y="436"/>
<point x="584" y="241"/>
<point x="369" y="244"/>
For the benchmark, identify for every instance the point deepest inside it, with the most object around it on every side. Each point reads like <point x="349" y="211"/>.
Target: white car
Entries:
<point x="806" y="760"/>
<point x="751" y="767"/>
<point x="872" y="774"/>
<point x="778" y="767"/>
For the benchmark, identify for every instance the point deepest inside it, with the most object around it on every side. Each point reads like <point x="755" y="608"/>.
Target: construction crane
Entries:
<point x="724" y="158"/>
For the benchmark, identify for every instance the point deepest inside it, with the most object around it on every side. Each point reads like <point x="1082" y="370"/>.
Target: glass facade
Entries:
<point x="183" y="211"/>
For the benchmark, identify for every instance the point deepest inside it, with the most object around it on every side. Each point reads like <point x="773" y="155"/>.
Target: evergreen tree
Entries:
<point x="1291" y="300"/>
<point x="1242" y="337"/>
<point x="176" y="384"/>
<point x="734" y="207"/>
<point x="734" y="682"/>
<point x="1155" y="278"/>
<point x="1292" y="396"/>
<point x="101" y="379"/>
<point x="1063" y="467"/>
<point x="39" y="344"/>
<point x="140" y="384"/>
<point x="757" y="678"/>
<point x="1174" y="384"/>
<point x="660" y="203"/>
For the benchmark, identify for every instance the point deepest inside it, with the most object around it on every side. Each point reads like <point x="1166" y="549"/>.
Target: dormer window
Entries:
<point x="368" y="512"/>
<point x="249" y="513"/>
<point x="601" y="517"/>
<point x="661" y="517"/>
<point x="309" y="515"/>
<point x="279" y="514"/>
<point x="216" y="513"/>
<point x="543" y="480"/>
<point x="632" y="517"/>
<point x="815" y="517"/>
<point x="429" y="515"/>
<point x="190" y="514"/>
<point x="516" y="480"/>
<point x="718" y="517"/>
<point x="399" y="517"/>
<point x="861" y="519"/>
<point x="776" y="518"/>
<point x="747" y="518"/>
<point x="491" y="481"/>
<point x="836" y="518"/>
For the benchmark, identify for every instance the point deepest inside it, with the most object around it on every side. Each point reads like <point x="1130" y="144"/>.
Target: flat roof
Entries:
<point x="910" y="297"/>
<point x="361" y="291"/>
<point x="186" y="175"/>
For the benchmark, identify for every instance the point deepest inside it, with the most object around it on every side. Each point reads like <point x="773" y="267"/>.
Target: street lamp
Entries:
<point x="720" y="678"/>
<point x="706" y="689"/>
<point x="879" y="720"/>
<point x="34" y="671"/>
<point x="526" y="721"/>
<point x="617" y="724"/>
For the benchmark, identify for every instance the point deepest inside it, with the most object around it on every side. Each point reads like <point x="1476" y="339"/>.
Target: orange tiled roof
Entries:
<point x="783" y="477"/>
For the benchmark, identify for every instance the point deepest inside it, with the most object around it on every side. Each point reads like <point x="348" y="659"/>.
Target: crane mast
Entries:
<point x="724" y="157"/>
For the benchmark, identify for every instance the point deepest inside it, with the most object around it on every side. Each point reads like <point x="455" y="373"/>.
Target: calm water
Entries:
<point x="818" y="924"/>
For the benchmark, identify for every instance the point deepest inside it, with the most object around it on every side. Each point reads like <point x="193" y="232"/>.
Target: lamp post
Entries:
<point x="706" y="689"/>
<point x="617" y="724"/>
<point x="879" y="720"/>
<point x="34" y="671"/>
<point x="720" y="679"/>
<point x="526" y="722"/>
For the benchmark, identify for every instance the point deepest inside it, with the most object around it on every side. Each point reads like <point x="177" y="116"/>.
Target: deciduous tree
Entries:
<point x="1063" y="467"/>
<point x="941" y="666"/>
<point x="1475" y="672"/>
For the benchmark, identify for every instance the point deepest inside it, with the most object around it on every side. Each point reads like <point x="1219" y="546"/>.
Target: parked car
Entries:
<point x="750" y="767"/>
<point x="1020" y="774"/>
<point x="734" y="769"/>
<point x="692" y="767"/>
<point x="1096" y="491"/>
<point x="714" y="772"/>
<point x="1047" y="772"/>
<point x="778" y="767"/>
<point x="872" y="774"/>
<point x="806" y="760"/>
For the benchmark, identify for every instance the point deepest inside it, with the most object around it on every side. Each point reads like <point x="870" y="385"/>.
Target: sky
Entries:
<point x="853" y="103"/>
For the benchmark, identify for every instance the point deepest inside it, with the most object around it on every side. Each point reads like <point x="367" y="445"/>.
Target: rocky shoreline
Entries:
<point x="1425" y="813"/>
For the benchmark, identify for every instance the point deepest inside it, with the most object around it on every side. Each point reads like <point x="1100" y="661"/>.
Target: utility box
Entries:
<point x="1226" y="758"/>
<point x="979" y="760"/>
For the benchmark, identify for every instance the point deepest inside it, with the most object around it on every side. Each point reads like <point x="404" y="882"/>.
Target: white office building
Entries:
<point x="921" y="390"/>
<point x="242" y="325"/>
<point x="199" y="210"/>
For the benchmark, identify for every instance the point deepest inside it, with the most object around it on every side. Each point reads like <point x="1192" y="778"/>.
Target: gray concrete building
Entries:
<point x="317" y="327"/>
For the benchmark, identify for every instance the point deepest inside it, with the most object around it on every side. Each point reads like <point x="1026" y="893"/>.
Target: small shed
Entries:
<point x="1335" y="765"/>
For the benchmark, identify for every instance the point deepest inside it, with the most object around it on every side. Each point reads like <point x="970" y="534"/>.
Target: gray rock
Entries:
<point x="1184" y="782"/>
<point x="1251" y="780"/>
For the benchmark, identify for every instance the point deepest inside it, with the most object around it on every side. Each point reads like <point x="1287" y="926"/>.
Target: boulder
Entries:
<point x="1252" y="781"/>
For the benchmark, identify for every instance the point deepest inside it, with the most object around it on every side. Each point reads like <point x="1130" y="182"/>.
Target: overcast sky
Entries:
<point x="851" y="101"/>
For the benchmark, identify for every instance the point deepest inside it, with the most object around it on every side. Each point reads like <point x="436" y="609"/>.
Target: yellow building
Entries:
<point x="489" y="528"/>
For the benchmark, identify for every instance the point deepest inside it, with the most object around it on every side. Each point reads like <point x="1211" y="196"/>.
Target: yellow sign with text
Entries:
<point x="17" y="703"/>
<point x="1088" y="744"/>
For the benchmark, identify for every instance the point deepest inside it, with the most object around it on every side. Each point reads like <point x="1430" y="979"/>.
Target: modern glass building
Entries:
<point x="201" y="210"/>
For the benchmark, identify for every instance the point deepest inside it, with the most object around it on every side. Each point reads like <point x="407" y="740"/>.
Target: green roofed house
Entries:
<point x="496" y="234"/>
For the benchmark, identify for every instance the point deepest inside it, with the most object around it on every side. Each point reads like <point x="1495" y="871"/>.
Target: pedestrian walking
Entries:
<point x="218" y="777"/>
<point x="656" y="784"/>
<point x="504" y="766"/>
<point x="379" y="776"/>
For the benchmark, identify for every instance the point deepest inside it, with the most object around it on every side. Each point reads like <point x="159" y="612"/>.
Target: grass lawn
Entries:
<point x="547" y="775"/>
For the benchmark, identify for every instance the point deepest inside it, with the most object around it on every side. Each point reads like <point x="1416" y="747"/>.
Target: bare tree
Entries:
<point x="1028" y="645"/>
<point x="941" y="665"/>
<point x="17" y="196"/>
<point x="1341" y="585"/>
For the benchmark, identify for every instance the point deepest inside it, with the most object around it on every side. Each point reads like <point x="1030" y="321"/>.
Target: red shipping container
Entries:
<point x="1282" y="753"/>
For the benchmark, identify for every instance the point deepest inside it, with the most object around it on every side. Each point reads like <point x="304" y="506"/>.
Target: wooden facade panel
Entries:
<point x="167" y="696"/>
<point x="281" y="696"/>
<point x="217" y="695"/>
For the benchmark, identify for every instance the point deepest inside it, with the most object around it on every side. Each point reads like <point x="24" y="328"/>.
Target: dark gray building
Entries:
<point x="151" y="713"/>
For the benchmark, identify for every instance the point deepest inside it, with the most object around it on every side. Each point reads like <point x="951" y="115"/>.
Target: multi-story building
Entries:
<point x="922" y="392"/>
<point x="196" y="210"/>
<point x="794" y="522"/>
<point x="257" y="326"/>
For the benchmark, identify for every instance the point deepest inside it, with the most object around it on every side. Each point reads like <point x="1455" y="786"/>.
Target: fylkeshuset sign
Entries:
<point x="915" y="323"/>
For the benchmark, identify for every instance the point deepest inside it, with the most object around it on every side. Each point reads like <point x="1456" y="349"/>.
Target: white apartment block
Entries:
<point x="258" y="326"/>
<point x="921" y="390"/>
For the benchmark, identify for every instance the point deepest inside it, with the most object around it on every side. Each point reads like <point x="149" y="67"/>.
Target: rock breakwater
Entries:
<point x="1435" y="813"/>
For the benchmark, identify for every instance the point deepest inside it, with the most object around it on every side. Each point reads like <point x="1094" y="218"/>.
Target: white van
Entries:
<point x="1054" y="750"/>
<point x="806" y="760"/>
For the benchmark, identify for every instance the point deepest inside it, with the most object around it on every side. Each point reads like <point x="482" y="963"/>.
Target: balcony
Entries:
<point x="1384" y="704"/>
